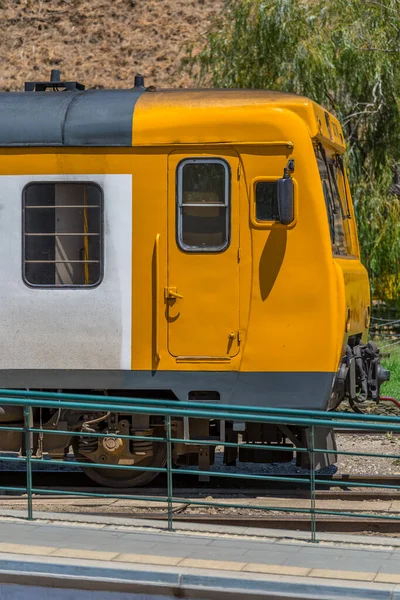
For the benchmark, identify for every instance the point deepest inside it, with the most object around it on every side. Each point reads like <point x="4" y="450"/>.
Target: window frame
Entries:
<point x="255" y="223"/>
<point x="345" y="219"/>
<point x="101" y="236"/>
<point x="179" y="204"/>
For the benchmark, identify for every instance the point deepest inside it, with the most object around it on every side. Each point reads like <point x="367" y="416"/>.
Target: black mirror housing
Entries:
<point x="286" y="200"/>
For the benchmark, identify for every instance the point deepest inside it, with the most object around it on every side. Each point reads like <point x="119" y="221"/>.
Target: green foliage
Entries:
<point x="378" y="217"/>
<point x="345" y="55"/>
<point x="392" y="387"/>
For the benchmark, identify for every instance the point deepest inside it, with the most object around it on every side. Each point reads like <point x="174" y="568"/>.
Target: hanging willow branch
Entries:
<point x="394" y="189"/>
<point x="345" y="55"/>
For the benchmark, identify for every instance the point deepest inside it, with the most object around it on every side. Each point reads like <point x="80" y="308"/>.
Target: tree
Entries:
<point x="345" y="55"/>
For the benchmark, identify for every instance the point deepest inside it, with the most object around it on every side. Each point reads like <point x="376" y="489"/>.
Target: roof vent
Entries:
<point x="55" y="76"/>
<point x="139" y="82"/>
<point x="54" y="84"/>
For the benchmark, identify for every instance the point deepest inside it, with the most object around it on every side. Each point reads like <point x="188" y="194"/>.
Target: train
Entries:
<point x="189" y="245"/>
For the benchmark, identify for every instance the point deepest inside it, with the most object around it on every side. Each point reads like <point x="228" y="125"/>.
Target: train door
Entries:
<point x="202" y="296"/>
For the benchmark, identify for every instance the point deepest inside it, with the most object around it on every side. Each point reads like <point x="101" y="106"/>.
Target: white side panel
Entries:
<point x="67" y="328"/>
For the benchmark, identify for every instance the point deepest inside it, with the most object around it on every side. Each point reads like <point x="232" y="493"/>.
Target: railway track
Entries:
<point x="76" y="484"/>
<point x="364" y="433"/>
<point x="374" y="523"/>
<point x="78" y="479"/>
<point x="285" y="522"/>
<point x="186" y="486"/>
<point x="48" y="481"/>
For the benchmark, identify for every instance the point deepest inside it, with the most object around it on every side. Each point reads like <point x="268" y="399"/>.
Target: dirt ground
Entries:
<point x="101" y="43"/>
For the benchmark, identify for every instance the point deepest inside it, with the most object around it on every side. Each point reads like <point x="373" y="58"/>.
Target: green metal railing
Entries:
<point x="196" y="410"/>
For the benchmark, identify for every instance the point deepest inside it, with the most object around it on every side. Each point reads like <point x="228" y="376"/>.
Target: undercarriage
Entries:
<point x="103" y="438"/>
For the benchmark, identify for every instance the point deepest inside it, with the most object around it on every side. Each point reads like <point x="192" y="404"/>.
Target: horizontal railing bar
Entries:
<point x="238" y="445"/>
<point x="266" y="508"/>
<point x="273" y="508"/>
<point x="340" y="513"/>
<point x="4" y="428"/>
<point x="99" y="495"/>
<point x="205" y="405"/>
<point x="79" y="463"/>
<point x="163" y="439"/>
<point x="281" y="448"/>
<point x="189" y="413"/>
<point x="192" y="502"/>
<point x="205" y="503"/>
<point x="345" y="483"/>
<point x="178" y="501"/>
<point x="233" y="505"/>
<point x="21" y="459"/>
<point x="201" y="442"/>
<point x="350" y="453"/>
<point x="208" y="443"/>
<point x="178" y="471"/>
<point x="241" y="475"/>
<point x="123" y="436"/>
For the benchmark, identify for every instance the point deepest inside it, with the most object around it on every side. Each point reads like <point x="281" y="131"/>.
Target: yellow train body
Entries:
<point x="157" y="257"/>
<point x="277" y="300"/>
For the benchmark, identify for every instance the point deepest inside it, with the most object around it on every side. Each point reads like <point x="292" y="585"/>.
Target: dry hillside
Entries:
<point x="101" y="43"/>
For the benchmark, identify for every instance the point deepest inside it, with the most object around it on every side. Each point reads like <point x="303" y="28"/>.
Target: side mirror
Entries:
<point x="286" y="200"/>
<point x="286" y="195"/>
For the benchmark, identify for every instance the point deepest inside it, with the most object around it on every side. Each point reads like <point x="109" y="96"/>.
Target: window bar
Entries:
<point x="59" y="234"/>
<point x="204" y="205"/>
<point x="51" y="262"/>
<point x="85" y="239"/>
<point x="45" y="207"/>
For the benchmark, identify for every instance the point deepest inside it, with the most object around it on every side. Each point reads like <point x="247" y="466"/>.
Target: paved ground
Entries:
<point x="249" y="553"/>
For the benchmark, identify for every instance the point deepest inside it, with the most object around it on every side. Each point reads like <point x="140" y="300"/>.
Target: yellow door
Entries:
<point x="202" y="296"/>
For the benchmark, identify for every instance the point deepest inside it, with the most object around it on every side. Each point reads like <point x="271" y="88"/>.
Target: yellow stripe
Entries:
<point x="196" y="563"/>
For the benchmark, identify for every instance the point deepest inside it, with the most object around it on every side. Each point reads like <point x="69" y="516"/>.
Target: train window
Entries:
<point x="267" y="201"/>
<point x="203" y="205"/>
<point x="335" y="205"/>
<point x="62" y="234"/>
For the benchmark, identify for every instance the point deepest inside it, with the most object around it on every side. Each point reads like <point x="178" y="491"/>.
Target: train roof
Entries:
<point x="123" y="118"/>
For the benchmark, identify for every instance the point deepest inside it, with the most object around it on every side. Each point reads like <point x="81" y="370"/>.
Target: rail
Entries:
<point x="167" y="410"/>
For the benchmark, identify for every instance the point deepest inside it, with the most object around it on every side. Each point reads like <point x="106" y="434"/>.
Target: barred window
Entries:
<point x="203" y="205"/>
<point x="62" y="234"/>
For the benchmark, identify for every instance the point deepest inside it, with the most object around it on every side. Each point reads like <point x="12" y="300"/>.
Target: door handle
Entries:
<point x="172" y="294"/>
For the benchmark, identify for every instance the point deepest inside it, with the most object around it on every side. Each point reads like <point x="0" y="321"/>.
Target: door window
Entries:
<point x="203" y="198"/>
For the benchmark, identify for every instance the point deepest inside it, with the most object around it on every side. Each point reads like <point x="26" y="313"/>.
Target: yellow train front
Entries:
<point x="180" y="244"/>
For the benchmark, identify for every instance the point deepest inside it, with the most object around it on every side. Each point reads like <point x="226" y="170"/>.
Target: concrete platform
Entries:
<point x="106" y="557"/>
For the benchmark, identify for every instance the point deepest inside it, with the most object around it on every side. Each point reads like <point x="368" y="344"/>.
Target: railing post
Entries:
<point x="28" y="451"/>
<point x="312" y="491"/>
<point x="169" y="471"/>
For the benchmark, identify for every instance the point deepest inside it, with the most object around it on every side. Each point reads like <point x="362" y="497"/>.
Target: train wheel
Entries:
<point x="121" y="478"/>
